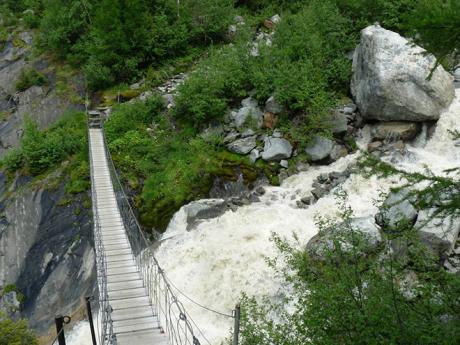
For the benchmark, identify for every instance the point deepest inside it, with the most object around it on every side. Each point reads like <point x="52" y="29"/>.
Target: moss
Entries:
<point x="120" y="94"/>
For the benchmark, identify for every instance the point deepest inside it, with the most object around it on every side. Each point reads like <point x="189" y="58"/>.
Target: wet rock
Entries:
<point x="393" y="131"/>
<point x="322" y="243"/>
<point x="374" y="146"/>
<point x="319" y="192"/>
<point x="260" y="190"/>
<point x="277" y="134"/>
<point x="390" y="79"/>
<point x="319" y="149"/>
<point x="243" y="146"/>
<point x="337" y="152"/>
<point x="396" y="210"/>
<point x="308" y="200"/>
<point x="438" y="232"/>
<point x="272" y="106"/>
<point x="276" y="149"/>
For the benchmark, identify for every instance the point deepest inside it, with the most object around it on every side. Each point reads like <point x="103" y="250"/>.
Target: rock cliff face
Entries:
<point x="46" y="251"/>
<point x="45" y="104"/>
<point x="46" y="245"/>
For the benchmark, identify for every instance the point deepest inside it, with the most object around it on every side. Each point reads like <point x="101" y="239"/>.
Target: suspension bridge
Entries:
<point x="136" y="301"/>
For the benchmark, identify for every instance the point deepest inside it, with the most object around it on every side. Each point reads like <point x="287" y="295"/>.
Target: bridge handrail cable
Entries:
<point x="173" y="318"/>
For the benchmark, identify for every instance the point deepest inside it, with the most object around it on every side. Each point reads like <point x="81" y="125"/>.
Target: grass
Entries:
<point x="30" y="77"/>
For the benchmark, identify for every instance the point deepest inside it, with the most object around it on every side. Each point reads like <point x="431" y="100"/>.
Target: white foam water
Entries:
<point x="223" y="257"/>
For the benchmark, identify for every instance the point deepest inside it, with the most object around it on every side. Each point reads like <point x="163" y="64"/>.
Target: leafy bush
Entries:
<point x="28" y="78"/>
<point x="42" y="150"/>
<point x="15" y="332"/>
<point x="348" y="297"/>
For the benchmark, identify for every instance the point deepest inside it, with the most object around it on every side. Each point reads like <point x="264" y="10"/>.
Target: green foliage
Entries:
<point x="13" y="160"/>
<point x="42" y="150"/>
<point x="15" y="332"/>
<point x="348" y="297"/>
<point x="436" y="25"/>
<point x="168" y="167"/>
<point x="28" y="78"/>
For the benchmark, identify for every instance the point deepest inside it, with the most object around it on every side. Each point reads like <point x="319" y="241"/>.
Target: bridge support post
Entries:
<point x="59" y="320"/>
<point x="236" y="331"/>
<point x="90" y="319"/>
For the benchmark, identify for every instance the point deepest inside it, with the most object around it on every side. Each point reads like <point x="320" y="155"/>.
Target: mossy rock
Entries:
<point x="110" y="97"/>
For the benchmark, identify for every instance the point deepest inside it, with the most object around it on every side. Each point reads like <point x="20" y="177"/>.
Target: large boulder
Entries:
<point x="394" y="80"/>
<point x="276" y="149"/>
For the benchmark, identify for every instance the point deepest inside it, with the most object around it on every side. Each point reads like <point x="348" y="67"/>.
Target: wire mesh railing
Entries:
<point x="173" y="319"/>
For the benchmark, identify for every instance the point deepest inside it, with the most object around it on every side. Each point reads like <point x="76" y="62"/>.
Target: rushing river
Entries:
<point x="223" y="257"/>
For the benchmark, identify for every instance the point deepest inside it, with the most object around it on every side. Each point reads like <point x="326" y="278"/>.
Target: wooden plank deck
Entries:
<point x="134" y="321"/>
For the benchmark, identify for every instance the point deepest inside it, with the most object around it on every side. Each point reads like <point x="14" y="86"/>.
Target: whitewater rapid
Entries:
<point x="226" y="256"/>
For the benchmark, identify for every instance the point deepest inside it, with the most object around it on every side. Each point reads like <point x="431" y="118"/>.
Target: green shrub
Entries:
<point x="353" y="296"/>
<point x="13" y="160"/>
<point x="42" y="150"/>
<point x="28" y="78"/>
<point x="15" y="332"/>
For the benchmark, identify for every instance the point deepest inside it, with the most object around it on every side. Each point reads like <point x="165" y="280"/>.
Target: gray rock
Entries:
<point x="243" y="146"/>
<point x="323" y="242"/>
<point x="239" y="20"/>
<point x="249" y="111"/>
<point x="247" y="133"/>
<point x="319" y="192"/>
<point x="396" y="209"/>
<point x="457" y="74"/>
<point x="276" y="18"/>
<point x="277" y="134"/>
<point x="284" y="163"/>
<point x="320" y="148"/>
<point x="272" y="106"/>
<point x="337" y="152"/>
<point x="390" y="79"/>
<point x="276" y="149"/>
<point x="308" y="200"/>
<point x="374" y="146"/>
<point x="350" y="109"/>
<point x="393" y="131"/>
<point x="231" y="137"/>
<point x="439" y="233"/>
<point x="339" y="122"/>
<point x="254" y="155"/>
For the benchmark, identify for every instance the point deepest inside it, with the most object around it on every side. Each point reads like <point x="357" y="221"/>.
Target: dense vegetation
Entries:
<point x="15" y="332"/>
<point x="42" y="151"/>
<point x="166" y="166"/>
<point x="350" y="295"/>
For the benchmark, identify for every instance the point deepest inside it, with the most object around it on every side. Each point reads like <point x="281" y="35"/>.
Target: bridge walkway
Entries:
<point x="134" y="321"/>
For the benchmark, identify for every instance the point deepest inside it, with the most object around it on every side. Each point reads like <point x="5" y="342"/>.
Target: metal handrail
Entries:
<point x="173" y="319"/>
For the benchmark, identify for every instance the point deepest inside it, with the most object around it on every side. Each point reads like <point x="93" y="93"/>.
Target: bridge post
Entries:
<point x="90" y="318"/>
<point x="236" y="331"/>
<point x="59" y="320"/>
